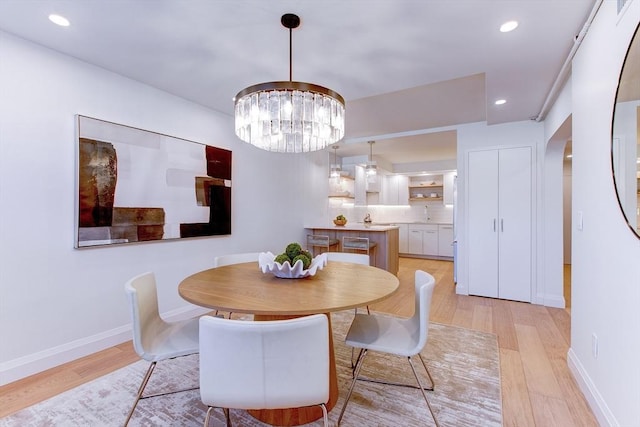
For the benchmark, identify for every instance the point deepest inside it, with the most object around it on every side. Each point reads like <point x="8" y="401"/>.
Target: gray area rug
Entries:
<point x="464" y="364"/>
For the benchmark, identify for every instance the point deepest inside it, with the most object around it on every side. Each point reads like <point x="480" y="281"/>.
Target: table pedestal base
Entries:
<point x="299" y="416"/>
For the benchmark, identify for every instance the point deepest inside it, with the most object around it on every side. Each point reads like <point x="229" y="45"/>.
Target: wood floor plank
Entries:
<point x="482" y="318"/>
<point x="463" y="315"/>
<point x="576" y="403"/>
<point x="516" y="408"/>
<point x="549" y="411"/>
<point x="537" y="367"/>
<point x="503" y="325"/>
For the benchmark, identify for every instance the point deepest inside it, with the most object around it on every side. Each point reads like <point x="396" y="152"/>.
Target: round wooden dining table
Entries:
<point x="243" y="288"/>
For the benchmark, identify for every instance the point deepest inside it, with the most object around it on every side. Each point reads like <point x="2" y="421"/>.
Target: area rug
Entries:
<point x="464" y="364"/>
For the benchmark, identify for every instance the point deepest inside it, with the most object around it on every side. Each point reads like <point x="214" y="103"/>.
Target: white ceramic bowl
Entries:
<point x="267" y="263"/>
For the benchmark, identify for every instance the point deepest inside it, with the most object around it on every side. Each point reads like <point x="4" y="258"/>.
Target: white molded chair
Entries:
<point x="265" y="364"/>
<point x="348" y="257"/>
<point x="155" y="339"/>
<point x="223" y="260"/>
<point x="355" y="258"/>
<point x="393" y="335"/>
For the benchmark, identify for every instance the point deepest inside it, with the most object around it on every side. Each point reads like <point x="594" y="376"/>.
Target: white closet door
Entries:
<point x="482" y="193"/>
<point x="515" y="224"/>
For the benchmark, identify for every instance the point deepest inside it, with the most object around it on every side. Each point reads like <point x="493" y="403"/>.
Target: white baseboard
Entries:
<point x="25" y="366"/>
<point x="599" y="407"/>
<point x="555" y="301"/>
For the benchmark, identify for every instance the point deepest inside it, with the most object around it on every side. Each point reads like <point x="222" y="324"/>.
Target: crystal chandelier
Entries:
<point x="289" y="117"/>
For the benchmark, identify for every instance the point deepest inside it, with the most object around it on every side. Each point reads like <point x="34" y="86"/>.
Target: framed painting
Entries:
<point x="135" y="185"/>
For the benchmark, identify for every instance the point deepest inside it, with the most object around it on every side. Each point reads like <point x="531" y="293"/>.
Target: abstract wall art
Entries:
<point x="135" y="185"/>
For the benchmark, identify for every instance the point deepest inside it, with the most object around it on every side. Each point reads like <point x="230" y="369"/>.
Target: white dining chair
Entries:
<point x="396" y="336"/>
<point x="273" y="364"/>
<point x="239" y="258"/>
<point x="352" y="257"/>
<point x="155" y="339"/>
<point x="230" y="259"/>
<point x="355" y="258"/>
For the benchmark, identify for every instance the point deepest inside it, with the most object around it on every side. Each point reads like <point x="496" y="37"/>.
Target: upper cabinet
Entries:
<point x="448" y="187"/>
<point x="395" y="190"/>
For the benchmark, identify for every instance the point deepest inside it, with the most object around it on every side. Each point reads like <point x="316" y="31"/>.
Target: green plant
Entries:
<point x="293" y="250"/>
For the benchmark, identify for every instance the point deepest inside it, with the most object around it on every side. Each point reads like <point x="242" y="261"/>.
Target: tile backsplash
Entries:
<point x="416" y="212"/>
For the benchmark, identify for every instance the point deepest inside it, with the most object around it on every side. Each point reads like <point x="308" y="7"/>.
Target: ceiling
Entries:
<point x="406" y="68"/>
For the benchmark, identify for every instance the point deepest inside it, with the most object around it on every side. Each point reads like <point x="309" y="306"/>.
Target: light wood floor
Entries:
<point x="537" y="387"/>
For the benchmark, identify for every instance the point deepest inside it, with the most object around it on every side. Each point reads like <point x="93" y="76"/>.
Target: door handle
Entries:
<point x="502" y="225"/>
<point x="494" y="224"/>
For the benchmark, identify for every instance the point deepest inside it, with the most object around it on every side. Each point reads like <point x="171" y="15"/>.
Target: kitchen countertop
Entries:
<point x="354" y="227"/>
<point x="413" y="222"/>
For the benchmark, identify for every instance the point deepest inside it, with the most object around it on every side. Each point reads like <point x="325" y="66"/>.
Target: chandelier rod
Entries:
<point x="290" y="54"/>
<point x="290" y="21"/>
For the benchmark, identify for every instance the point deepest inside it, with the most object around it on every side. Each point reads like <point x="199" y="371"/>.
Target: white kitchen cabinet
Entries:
<point x="423" y="239"/>
<point x="360" y="187"/>
<point x="430" y="241"/>
<point x="499" y="209"/>
<point x="448" y="183"/>
<point x="395" y="190"/>
<point x="415" y="241"/>
<point x="445" y="240"/>
<point x="403" y="234"/>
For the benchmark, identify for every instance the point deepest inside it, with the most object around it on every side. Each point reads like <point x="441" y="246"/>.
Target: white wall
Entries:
<point x="605" y="253"/>
<point x="58" y="303"/>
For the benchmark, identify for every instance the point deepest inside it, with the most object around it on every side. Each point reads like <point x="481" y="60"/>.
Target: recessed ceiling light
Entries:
<point x="508" y="26"/>
<point x="59" y="20"/>
<point x="501" y="101"/>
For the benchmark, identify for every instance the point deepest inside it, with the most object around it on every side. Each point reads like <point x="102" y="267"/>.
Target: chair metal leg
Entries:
<point x="398" y="384"/>
<point x="433" y="384"/>
<point x="359" y="363"/>
<point x="325" y="415"/>
<point x="415" y="374"/>
<point x="206" y="419"/>
<point x="353" y="364"/>
<point x="139" y="396"/>
<point x="145" y="380"/>
<point x="227" y="417"/>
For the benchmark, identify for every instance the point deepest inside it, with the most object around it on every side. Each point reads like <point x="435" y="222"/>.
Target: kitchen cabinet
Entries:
<point x="448" y="185"/>
<point x="500" y="212"/>
<point x="384" y="256"/>
<point x="423" y="239"/>
<point x="360" y="187"/>
<point x="445" y="240"/>
<point x="403" y="231"/>
<point x="395" y="190"/>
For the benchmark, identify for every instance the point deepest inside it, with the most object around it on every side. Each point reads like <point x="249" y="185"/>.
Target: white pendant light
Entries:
<point x="334" y="170"/>
<point x="371" y="169"/>
<point x="289" y="117"/>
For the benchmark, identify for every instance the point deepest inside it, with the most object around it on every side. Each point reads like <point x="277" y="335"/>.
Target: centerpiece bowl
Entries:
<point x="339" y="222"/>
<point x="267" y="263"/>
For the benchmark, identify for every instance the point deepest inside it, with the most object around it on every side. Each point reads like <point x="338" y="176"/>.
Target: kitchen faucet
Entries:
<point x="367" y="219"/>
